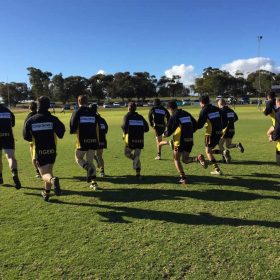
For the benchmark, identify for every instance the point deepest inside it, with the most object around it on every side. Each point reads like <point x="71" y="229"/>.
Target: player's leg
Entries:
<point x="34" y="162"/>
<point x="99" y="154"/>
<point x="92" y="176"/>
<point x="158" y="141"/>
<point x="210" y="143"/>
<point x="79" y="157"/>
<point x="10" y="155"/>
<point x="177" y="161"/>
<point x="137" y="163"/>
<point x="46" y="172"/>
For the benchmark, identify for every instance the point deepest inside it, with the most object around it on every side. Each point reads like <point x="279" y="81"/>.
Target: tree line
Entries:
<point x="139" y="85"/>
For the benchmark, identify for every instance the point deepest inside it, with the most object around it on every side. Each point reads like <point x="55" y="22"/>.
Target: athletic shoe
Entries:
<point x="37" y="176"/>
<point x="17" y="181"/>
<point x="45" y="195"/>
<point x="171" y="144"/>
<point x="94" y="186"/>
<point x="102" y="174"/>
<point x="216" y="172"/>
<point x="139" y="177"/>
<point x="56" y="186"/>
<point x="240" y="147"/>
<point x="201" y="160"/>
<point x="183" y="181"/>
<point x="90" y="172"/>
<point x="1" y="180"/>
<point x="158" y="157"/>
<point x="226" y="155"/>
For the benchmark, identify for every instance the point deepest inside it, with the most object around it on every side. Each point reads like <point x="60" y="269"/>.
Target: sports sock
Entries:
<point x="14" y="172"/>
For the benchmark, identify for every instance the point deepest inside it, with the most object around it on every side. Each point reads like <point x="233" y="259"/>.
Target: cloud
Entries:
<point x="246" y="66"/>
<point x="186" y="72"/>
<point x="101" y="72"/>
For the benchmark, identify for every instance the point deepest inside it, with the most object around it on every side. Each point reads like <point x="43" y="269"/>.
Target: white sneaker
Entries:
<point x="158" y="157"/>
<point x="216" y="172"/>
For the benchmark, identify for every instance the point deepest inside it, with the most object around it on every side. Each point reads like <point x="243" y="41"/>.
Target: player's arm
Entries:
<point x="224" y="118"/>
<point x="235" y="117"/>
<point x="106" y="126"/>
<point x="275" y="136"/>
<point x="167" y="115"/>
<point x="27" y="135"/>
<point x="201" y="119"/>
<point x="12" y="119"/>
<point x="74" y="122"/>
<point x="268" y="109"/>
<point x="194" y="123"/>
<point x="151" y="118"/>
<point x="146" y="126"/>
<point x="171" y="126"/>
<point x="125" y="124"/>
<point x="59" y="128"/>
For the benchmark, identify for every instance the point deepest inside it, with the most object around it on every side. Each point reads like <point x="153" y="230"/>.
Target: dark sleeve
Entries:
<point x="171" y="126"/>
<point x="276" y="132"/>
<point x="224" y="118"/>
<point x="27" y="135"/>
<point x="194" y="123"/>
<point x="151" y="118"/>
<point x="201" y="119"/>
<point x="106" y="126"/>
<point x="74" y="122"/>
<point x="13" y="119"/>
<point x="235" y="117"/>
<point x="167" y="115"/>
<point x="59" y="128"/>
<point x="268" y="108"/>
<point x="146" y="126"/>
<point x="124" y="125"/>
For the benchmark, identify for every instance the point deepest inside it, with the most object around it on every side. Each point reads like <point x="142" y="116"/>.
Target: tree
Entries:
<point x="144" y="85"/>
<point x="99" y="85"/>
<point x="261" y="81"/>
<point x="12" y="93"/>
<point x="40" y="82"/>
<point x="75" y="86"/>
<point x="57" y="88"/>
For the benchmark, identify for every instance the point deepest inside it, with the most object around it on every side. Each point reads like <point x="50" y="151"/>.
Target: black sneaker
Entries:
<point x="45" y="195"/>
<point x="90" y="172"/>
<point x="56" y="186"/>
<point x="1" y="180"/>
<point x="240" y="147"/>
<point x="17" y="181"/>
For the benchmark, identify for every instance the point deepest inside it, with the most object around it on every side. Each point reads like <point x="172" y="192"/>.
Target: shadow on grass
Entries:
<point x="128" y="195"/>
<point x="252" y="162"/>
<point x="237" y="181"/>
<point x="115" y="214"/>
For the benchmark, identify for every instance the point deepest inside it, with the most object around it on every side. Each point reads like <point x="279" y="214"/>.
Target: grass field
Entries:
<point x="224" y="227"/>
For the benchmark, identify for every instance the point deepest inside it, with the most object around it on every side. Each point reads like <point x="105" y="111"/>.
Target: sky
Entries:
<point x="162" y="37"/>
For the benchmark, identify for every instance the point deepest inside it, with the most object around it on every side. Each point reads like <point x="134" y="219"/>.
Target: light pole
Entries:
<point x="259" y="66"/>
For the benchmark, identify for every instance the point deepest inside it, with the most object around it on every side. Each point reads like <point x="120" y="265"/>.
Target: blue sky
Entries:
<point x="82" y="37"/>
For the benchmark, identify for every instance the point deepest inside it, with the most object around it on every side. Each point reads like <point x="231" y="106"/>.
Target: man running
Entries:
<point x="33" y="111"/>
<point x="134" y="126"/>
<point x="84" y="124"/>
<point x="183" y="125"/>
<point x="269" y="110"/>
<point x="229" y="117"/>
<point x="7" y="143"/>
<point x="102" y="143"/>
<point x="275" y="134"/>
<point x="42" y="130"/>
<point x="211" y="116"/>
<point x="158" y="118"/>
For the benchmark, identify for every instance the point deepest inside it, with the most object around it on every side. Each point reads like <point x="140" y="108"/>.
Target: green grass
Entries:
<point x="223" y="227"/>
